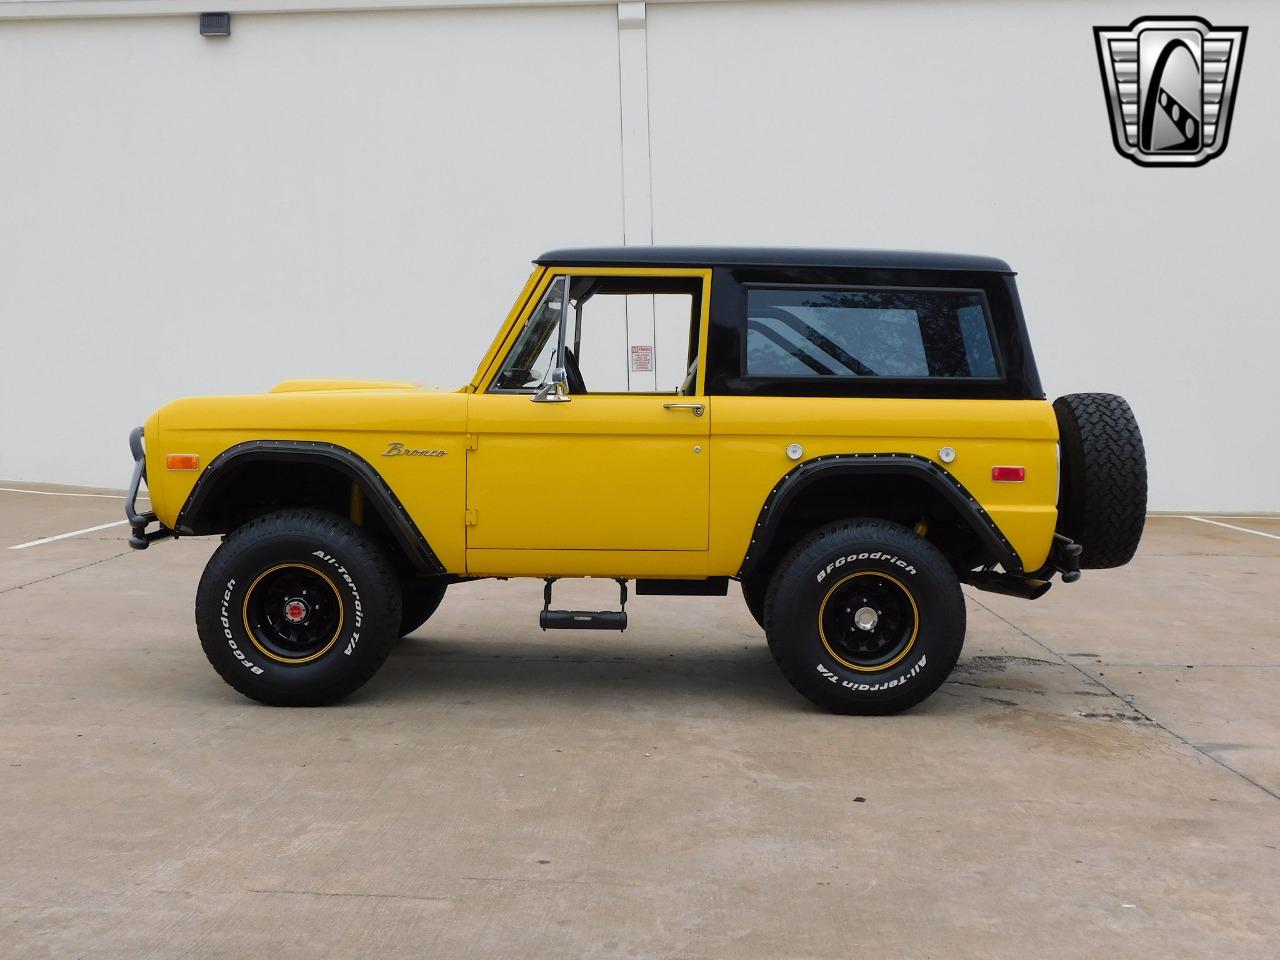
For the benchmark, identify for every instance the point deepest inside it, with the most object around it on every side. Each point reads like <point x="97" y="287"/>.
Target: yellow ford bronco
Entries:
<point x="850" y="435"/>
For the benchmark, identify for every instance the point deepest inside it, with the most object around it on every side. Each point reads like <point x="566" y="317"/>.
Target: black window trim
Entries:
<point x="992" y="338"/>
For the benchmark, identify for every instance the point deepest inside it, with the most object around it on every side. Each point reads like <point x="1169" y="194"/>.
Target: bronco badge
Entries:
<point x="1170" y="84"/>
<point x="397" y="449"/>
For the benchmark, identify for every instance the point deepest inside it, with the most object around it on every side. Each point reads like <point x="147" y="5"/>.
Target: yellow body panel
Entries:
<point x="597" y="473"/>
<point x="432" y="489"/>
<point x="749" y="437"/>
<point x="610" y="485"/>
<point x="302" y="386"/>
<point x="657" y="564"/>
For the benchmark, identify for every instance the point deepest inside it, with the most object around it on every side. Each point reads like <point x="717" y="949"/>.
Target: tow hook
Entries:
<point x="1064" y="558"/>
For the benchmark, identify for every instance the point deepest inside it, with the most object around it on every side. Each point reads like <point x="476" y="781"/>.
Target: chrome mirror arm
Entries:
<point x="555" y="390"/>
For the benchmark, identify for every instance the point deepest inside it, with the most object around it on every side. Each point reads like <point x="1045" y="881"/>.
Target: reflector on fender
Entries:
<point x="1008" y="474"/>
<point x="182" y="461"/>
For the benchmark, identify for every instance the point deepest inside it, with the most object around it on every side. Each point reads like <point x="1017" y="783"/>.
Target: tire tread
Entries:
<point x="329" y="528"/>
<point x="861" y="530"/>
<point x="1104" y="476"/>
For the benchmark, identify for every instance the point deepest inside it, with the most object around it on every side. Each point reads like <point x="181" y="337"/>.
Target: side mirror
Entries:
<point x="555" y="390"/>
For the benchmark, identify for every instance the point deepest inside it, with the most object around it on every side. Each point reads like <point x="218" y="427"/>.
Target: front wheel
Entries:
<point x="297" y="608"/>
<point x="865" y="617"/>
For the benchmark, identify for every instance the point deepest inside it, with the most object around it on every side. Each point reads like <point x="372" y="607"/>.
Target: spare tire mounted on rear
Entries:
<point x="1103" y="500"/>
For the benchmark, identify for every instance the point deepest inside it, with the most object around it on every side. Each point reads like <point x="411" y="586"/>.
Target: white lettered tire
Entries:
<point x="865" y="617"/>
<point x="298" y="608"/>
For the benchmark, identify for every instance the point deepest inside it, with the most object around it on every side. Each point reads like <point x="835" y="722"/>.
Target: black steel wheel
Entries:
<point x="868" y="620"/>
<point x="865" y="617"/>
<point x="297" y="608"/>
<point x="293" y="612"/>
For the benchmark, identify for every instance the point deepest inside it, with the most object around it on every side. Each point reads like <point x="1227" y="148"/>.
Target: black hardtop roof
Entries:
<point x="666" y="256"/>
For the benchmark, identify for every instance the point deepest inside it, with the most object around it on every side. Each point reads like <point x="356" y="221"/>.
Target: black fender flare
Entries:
<point x="794" y="482"/>
<point x="352" y="465"/>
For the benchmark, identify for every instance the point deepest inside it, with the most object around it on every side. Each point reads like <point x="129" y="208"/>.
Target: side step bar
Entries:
<point x="550" y="619"/>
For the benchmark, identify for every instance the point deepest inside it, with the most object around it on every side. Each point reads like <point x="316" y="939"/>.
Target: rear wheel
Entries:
<point x="865" y="617"/>
<point x="297" y="608"/>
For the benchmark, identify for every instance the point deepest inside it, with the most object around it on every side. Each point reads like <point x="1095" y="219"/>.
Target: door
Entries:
<point x="616" y="457"/>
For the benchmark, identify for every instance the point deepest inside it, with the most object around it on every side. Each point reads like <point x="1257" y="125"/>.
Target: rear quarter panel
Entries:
<point x="749" y="437"/>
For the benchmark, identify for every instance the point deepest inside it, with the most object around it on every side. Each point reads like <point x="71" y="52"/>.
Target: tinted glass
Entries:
<point x="827" y="332"/>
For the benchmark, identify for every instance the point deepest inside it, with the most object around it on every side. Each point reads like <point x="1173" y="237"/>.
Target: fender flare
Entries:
<point x="794" y="482"/>
<point x="352" y="465"/>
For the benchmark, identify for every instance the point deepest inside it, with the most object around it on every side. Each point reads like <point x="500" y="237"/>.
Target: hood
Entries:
<point x="318" y="386"/>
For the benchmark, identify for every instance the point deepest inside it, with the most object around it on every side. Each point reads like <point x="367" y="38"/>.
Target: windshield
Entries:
<point x="529" y="363"/>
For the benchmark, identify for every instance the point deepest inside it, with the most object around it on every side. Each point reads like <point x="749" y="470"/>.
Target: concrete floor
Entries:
<point x="1100" y="776"/>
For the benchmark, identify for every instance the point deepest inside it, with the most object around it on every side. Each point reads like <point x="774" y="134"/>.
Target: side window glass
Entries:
<point x="635" y="342"/>
<point x="622" y="335"/>
<point x="825" y="332"/>
<point x="977" y="342"/>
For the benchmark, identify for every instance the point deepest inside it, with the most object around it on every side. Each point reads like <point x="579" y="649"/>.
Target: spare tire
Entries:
<point x="1102" y="504"/>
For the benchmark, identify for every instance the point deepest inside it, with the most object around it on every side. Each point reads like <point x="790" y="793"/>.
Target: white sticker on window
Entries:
<point x="641" y="358"/>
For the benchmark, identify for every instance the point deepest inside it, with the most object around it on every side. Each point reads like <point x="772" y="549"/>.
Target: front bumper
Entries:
<point x="141" y="538"/>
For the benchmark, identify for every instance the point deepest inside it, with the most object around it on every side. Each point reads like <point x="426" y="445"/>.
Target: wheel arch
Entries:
<point x="912" y="480"/>
<point x="257" y="476"/>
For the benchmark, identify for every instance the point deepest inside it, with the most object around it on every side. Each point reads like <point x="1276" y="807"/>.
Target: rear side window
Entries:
<point x="868" y="332"/>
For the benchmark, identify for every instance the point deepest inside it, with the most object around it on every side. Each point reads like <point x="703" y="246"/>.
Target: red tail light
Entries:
<point x="1008" y="474"/>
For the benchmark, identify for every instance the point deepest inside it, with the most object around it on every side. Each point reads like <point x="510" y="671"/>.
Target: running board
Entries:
<point x="550" y="619"/>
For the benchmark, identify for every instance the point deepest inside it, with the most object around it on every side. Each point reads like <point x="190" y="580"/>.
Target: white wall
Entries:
<point x="318" y="195"/>
<point x="980" y="126"/>
<point x="359" y="194"/>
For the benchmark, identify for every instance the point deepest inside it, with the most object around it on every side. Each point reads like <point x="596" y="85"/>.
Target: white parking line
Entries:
<point x="73" y="533"/>
<point x="1232" y="526"/>
<point x="1232" y="516"/>
<point x="52" y="493"/>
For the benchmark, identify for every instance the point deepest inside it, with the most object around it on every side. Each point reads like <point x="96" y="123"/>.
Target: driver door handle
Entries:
<point x="697" y="408"/>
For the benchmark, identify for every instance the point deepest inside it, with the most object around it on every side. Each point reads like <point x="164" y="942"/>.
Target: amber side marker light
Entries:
<point x="1008" y="474"/>
<point x="182" y="461"/>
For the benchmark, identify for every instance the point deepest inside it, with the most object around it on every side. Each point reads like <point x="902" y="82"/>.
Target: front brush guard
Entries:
<point x="141" y="538"/>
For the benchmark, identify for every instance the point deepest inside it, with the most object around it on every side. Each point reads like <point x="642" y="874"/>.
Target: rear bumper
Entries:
<point x="1064" y="558"/>
<point x="140" y="538"/>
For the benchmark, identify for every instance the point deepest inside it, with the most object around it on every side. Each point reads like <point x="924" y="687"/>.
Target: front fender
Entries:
<point x="192" y="517"/>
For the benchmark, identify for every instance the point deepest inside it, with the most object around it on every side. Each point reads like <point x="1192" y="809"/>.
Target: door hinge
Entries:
<point x="469" y="518"/>
<point x="473" y="442"/>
